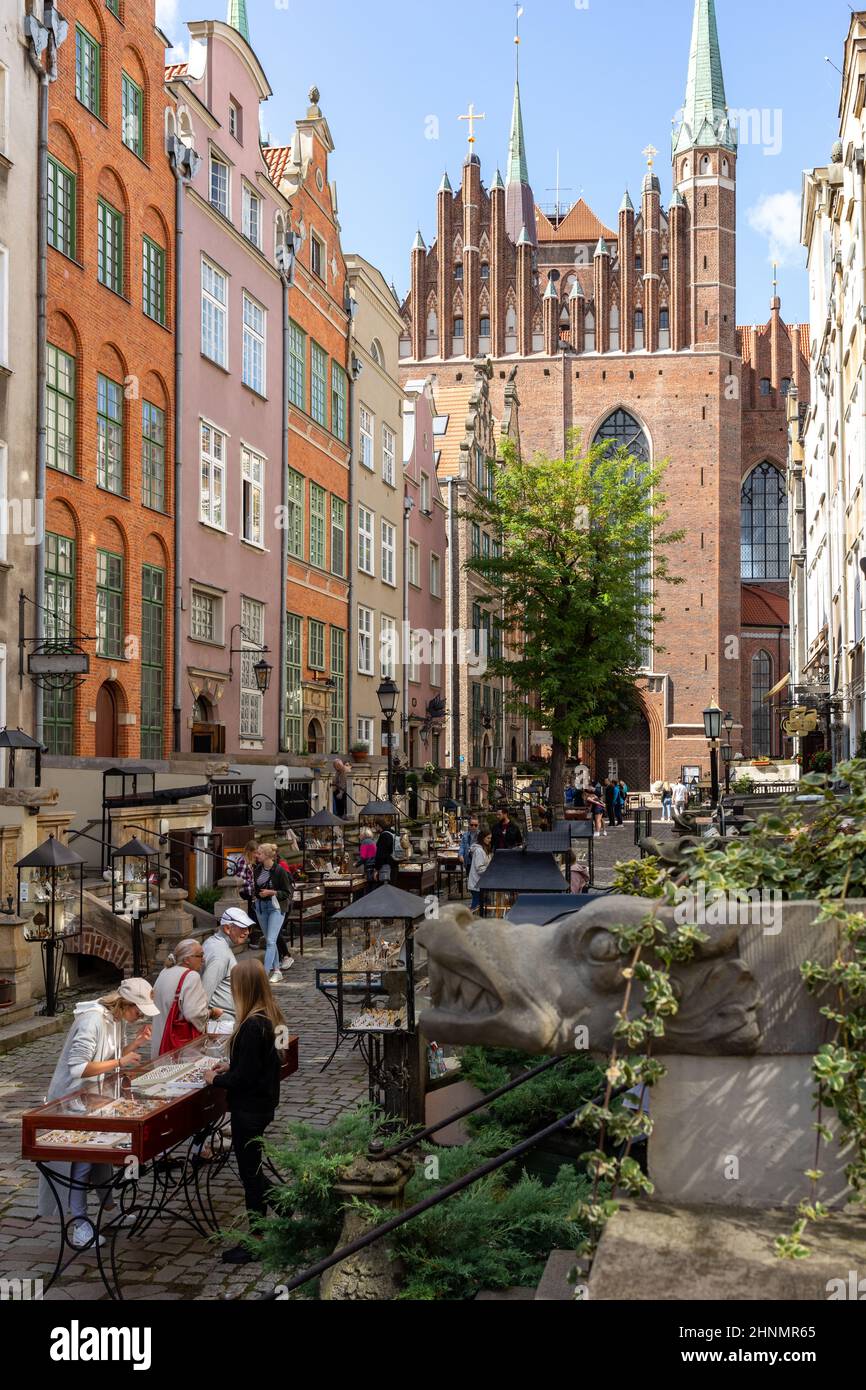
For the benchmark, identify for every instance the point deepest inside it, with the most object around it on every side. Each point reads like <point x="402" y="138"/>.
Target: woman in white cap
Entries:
<point x="94" y="1049"/>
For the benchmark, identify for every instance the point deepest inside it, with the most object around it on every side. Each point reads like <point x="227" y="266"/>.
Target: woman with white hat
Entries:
<point x="94" y="1049"/>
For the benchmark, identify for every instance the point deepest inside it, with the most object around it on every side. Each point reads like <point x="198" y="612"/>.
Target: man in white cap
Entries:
<point x="220" y="959"/>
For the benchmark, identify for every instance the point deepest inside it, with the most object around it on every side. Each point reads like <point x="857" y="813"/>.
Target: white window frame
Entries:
<point x="388" y="647"/>
<point x="414" y="562"/>
<point x="252" y="701"/>
<point x="251" y="197"/>
<point x="219" y="311"/>
<point x="425" y="493"/>
<point x="368" y="438"/>
<point x="389" y="455"/>
<point x="435" y="570"/>
<point x="252" y="487"/>
<point x="389" y="553"/>
<point x="255" y="346"/>
<point x="365" y="731"/>
<point x="217" y="158"/>
<point x="316" y="240"/>
<point x="235" y="123"/>
<point x="366" y="635"/>
<point x="218" y="601"/>
<point x="216" y="470"/>
<point x="367" y="541"/>
<point x="4" y="517"/>
<point x="412" y="659"/>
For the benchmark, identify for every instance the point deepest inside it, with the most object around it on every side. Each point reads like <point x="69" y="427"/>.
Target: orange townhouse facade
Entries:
<point x="317" y="508"/>
<point x="110" y="373"/>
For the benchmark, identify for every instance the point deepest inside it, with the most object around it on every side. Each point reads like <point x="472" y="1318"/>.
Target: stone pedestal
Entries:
<point x="171" y="923"/>
<point x="15" y="968"/>
<point x="229" y="897"/>
<point x="370" y="1276"/>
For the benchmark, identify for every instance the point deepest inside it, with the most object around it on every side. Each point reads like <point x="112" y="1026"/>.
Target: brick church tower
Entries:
<point x="629" y="333"/>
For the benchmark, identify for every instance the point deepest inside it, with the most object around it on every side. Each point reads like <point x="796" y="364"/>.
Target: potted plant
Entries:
<point x="431" y="776"/>
<point x="360" y="751"/>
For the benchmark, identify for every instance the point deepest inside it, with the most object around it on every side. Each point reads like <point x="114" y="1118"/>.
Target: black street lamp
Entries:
<point x="389" y="695"/>
<point x="262" y="672"/>
<point x="728" y="752"/>
<point x="54" y="877"/>
<point x="713" y="731"/>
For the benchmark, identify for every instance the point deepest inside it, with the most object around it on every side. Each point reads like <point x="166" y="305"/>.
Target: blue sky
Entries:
<point x="601" y="79"/>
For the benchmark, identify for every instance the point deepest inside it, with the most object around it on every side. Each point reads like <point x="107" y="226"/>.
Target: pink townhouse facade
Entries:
<point x="425" y="567"/>
<point x="233" y="223"/>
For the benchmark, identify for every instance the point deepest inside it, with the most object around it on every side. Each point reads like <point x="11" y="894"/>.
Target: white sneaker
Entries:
<point x="83" y="1235"/>
<point x="287" y="962"/>
<point x="276" y="978"/>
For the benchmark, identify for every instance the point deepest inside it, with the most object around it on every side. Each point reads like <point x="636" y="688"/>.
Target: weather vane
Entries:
<point x="472" y="116"/>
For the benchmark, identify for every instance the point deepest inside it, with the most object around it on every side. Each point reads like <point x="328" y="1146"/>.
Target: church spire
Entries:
<point x="705" y="113"/>
<point x="519" y="202"/>
<point x="236" y="16"/>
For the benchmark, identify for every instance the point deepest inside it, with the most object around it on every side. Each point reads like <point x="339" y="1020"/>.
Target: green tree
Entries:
<point x="574" y="585"/>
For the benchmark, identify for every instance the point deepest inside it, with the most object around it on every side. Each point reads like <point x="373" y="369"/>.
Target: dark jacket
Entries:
<point x="384" y="850"/>
<point x="507" y="836"/>
<point x="279" y="880"/>
<point x="253" y="1077"/>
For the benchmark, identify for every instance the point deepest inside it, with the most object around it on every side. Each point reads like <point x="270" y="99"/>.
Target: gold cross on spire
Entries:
<point x="472" y="116"/>
<point x="649" y="155"/>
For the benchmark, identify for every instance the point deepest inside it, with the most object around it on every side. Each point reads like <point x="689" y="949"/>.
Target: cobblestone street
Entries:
<point x="173" y="1262"/>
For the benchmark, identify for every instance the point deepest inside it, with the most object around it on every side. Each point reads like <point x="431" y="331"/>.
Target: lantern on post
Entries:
<point x="51" y="879"/>
<point x="713" y="731"/>
<point x="135" y="891"/>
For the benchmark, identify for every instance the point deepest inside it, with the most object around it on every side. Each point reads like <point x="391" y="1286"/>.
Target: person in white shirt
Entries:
<point x="219" y="959"/>
<point x="681" y="796"/>
<point x="479" y="858"/>
<point x="181" y="981"/>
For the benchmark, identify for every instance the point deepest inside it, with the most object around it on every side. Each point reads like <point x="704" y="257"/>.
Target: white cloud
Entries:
<point x="776" y="217"/>
<point x="168" y="20"/>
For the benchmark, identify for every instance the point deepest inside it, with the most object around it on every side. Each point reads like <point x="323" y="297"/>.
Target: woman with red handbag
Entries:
<point x="180" y="997"/>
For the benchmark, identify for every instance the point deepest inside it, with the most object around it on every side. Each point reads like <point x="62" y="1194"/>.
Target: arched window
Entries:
<point x="485" y="270"/>
<point x="638" y="328"/>
<point x="762" y="676"/>
<point x="484" y="326"/>
<point x="622" y="431"/>
<point x="614" y="329"/>
<point x="764" y="525"/>
<point x="458" y="328"/>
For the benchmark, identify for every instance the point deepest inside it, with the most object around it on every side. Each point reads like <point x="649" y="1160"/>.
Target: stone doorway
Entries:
<point x="629" y="752"/>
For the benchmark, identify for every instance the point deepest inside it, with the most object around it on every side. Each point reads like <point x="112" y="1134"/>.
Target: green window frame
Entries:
<point x="109" y="247"/>
<point x="62" y="200"/>
<point x="59" y="704"/>
<point x="297" y="366"/>
<point x="152" y="456"/>
<point x="338" y="537"/>
<point x="338" y="401"/>
<point x="152" y="661"/>
<point x="60" y="409"/>
<point x="315" y="645"/>
<point x="294" y="683"/>
<point x="153" y="280"/>
<point x="132" y="115"/>
<point x="114" y="7"/>
<point x="318" y="530"/>
<point x="109" y="434"/>
<point x="338" y="694"/>
<point x="88" y="70"/>
<point x="295" y="518"/>
<point x="319" y="384"/>
<point x="109" y="604"/>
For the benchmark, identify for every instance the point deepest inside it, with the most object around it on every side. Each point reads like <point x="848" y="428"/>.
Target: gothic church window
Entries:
<point x="484" y="326"/>
<point x="638" y="328"/>
<point x="589" y="332"/>
<point x="762" y="674"/>
<point x="485" y="270"/>
<point x="622" y="431"/>
<point x="614" y="329"/>
<point x="764" y="525"/>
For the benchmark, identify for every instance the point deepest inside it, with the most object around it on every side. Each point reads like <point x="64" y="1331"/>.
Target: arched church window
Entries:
<point x="458" y="271"/>
<point x="764" y="525"/>
<point x="484" y="326"/>
<point x="762" y="675"/>
<point x="458" y="328"/>
<point x="622" y="431"/>
<point x="589" y="331"/>
<point x="638" y="328"/>
<point x="614" y="329"/>
<point x="485" y="270"/>
<point x="705" y="164"/>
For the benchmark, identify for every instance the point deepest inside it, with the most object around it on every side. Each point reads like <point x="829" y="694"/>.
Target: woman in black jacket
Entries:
<point x="252" y="1081"/>
<point x="384" y="861"/>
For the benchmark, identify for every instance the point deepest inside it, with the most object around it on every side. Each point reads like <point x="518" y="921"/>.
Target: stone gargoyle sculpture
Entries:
<point x="503" y="984"/>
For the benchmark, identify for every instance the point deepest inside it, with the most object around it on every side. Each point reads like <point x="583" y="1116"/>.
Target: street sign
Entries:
<point x="58" y="663"/>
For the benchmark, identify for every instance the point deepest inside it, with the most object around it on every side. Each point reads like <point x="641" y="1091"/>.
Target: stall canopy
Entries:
<point x="542" y="909"/>
<point x="324" y="820"/>
<point x="518" y="871"/>
<point x="379" y="808"/>
<point x="385" y="902"/>
<point x="556" y="841"/>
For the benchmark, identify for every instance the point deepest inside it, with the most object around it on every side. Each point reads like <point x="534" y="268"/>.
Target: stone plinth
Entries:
<point x="171" y="924"/>
<point x="371" y="1275"/>
<point x="15" y="967"/>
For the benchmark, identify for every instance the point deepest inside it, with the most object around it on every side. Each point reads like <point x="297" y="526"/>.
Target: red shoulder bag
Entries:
<point x="178" y="1031"/>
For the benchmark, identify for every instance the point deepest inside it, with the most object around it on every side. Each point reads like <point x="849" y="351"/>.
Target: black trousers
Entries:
<point x="247" y="1131"/>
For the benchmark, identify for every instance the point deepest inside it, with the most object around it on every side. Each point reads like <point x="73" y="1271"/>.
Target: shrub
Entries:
<point x="207" y="898"/>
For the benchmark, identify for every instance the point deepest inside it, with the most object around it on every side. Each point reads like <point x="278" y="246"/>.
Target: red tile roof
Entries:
<point x="764" y="608"/>
<point x="276" y="158"/>
<point x="176" y="70"/>
<point x="580" y="224"/>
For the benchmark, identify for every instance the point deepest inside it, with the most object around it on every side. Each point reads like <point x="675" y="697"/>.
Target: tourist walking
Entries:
<point x="667" y="800"/>
<point x="506" y="835"/>
<point x="479" y="860"/>
<point x="339" y="789"/>
<point x="93" y="1049"/>
<point x="467" y="842"/>
<point x="597" y="812"/>
<point x="252" y="1081"/>
<point x="273" y="895"/>
<point x="680" y="796"/>
<point x="243" y="867"/>
<point x="609" y="800"/>
<point x="384" y="861"/>
<point x="618" y="803"/>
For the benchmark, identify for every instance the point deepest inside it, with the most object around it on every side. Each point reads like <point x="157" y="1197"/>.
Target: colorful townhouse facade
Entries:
<point x="231" y="343"/>
<point x="426" y="549"/>
<point x="108" y="562"/>
<point x="317" y="516"/>
<point x="380" y="650"/>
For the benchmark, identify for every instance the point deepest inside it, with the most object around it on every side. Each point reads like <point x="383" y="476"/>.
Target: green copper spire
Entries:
<point x="236" y="16"/>
<point x="705" y="113"/>
<point x="518" y="169"/>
